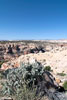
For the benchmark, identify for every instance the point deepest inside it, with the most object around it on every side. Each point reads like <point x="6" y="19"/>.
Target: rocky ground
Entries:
<point x="49" y="54"/>
<point x="56" y="60"/>
<point x="10" y="50"/>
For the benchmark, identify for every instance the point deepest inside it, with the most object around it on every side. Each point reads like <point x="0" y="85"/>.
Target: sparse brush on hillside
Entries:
<point x="61" y="74"/>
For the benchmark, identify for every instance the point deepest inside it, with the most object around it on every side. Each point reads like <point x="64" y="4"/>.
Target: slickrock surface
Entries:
<point x="57" y="61"/>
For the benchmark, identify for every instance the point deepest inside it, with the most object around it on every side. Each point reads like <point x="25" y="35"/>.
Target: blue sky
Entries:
<point x="33" y="19"/>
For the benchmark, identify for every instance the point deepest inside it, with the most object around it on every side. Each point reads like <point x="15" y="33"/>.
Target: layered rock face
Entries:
<point x="9" y="51"/>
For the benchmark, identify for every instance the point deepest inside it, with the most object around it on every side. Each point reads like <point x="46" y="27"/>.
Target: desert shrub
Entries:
<point x="1" y="62"/>
<point x="48" y="68"/>
<point x="61" y="74"/>
<point x="0" y="76"/>
<point x="27" y="75"/>
<point x="65" y="85"/>
<point x="25" y="94"/>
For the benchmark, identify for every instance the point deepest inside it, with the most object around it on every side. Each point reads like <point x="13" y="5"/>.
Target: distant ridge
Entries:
<point x="45" y="40"/>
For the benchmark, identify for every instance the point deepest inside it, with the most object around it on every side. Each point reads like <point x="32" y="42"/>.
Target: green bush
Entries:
<point x="47" y="68"/>
<point x="1" y="62"/>
<point x="65" y="85"/>
<point x="0" y="76"/>
<point x="23" y="79"/>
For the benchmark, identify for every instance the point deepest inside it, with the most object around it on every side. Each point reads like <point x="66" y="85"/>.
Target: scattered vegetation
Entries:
<point x="61" y="74"/>
<point x="65" y="85"/>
